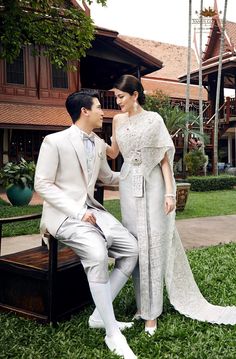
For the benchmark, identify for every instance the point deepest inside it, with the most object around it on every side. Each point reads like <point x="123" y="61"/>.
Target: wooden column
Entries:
<point x="212" y="92"/>
<point x="1" y="146"/>
<point x="227" y="109"/>
<point x="6" y="145"/>
<point x="230" y="149"/>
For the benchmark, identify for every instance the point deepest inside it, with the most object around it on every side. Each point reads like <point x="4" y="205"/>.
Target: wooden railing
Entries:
<point x="108" y="100"/>
<point x="227" y="110"/>
<point x="193" y="106"/>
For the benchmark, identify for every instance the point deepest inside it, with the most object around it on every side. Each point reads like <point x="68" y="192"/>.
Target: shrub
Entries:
<point x="211" y="183"/>
<point x="194" y="161"/>
<point x="20" y="173"/>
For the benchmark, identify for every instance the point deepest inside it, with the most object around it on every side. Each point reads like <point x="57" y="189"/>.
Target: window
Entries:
<point x="15" y="71"/>
<point x="59" y="78"/>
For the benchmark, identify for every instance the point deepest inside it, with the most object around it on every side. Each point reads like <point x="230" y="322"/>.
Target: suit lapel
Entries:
<point x="96" y="163"/>
<point x="78" y="145"/>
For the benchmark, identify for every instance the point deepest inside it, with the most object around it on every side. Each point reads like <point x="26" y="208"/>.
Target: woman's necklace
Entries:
<point x="131" y="119"/>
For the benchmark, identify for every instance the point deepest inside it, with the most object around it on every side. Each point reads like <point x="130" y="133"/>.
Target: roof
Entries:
<point x="231" y="32"/>
<point x="114" y="57"/>
<point x="212" y="48"/>
<point x="173" y="89"/>
<point x="209" y="67"/>
<point x="174" y="57"/>
<point x="40" y="117"/>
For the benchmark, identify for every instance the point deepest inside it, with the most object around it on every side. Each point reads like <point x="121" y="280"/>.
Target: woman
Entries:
<point x="147" y="196"/>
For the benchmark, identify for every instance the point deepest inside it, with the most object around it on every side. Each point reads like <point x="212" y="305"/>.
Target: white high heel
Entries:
<point x="150" y="330"/>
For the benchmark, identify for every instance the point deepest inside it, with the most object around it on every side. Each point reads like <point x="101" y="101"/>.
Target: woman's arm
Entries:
<point x="113" y="150"/>
<point x="168" y="179"/>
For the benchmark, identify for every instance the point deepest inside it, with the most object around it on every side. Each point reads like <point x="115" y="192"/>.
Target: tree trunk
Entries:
<point x="216" y="124"/>
<point x="188" y="79"/>
<point x="200" y="86"/>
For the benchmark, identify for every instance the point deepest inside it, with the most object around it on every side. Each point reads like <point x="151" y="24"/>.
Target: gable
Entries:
<point x="213" y="45"/>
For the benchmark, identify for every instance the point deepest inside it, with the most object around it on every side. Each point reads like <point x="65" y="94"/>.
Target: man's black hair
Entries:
<point x="77" y="100"/>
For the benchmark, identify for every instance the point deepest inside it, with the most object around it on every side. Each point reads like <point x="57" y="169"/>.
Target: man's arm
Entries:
<point x="45" y="176"/>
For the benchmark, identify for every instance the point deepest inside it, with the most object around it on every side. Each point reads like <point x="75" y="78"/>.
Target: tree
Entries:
<point x="57" y="29"/>
<point x="216" y="124"/>
<point x="188" y="73"/>
<point x="175" y="119"/>
<point x="200" y="83"/>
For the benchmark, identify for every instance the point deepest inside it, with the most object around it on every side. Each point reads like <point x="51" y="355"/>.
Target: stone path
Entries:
<point x="194" y="233"/>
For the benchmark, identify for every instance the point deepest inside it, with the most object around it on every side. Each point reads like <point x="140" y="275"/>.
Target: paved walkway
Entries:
<point x="38" y="200"/>
<point x="194" y="233"/>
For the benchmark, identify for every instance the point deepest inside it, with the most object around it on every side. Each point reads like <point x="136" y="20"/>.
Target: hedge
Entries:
<point x="211" y="183"/>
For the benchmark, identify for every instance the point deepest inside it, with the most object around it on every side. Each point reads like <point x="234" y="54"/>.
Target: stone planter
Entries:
<point x="19" y="196"/>
<point x="182" y="192"/>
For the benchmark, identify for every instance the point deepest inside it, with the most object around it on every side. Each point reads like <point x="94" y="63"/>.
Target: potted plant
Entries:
<point x="18" y="180"/>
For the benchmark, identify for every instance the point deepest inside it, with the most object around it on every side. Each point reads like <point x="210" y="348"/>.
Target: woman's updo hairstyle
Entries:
<point x="129" y="83"/>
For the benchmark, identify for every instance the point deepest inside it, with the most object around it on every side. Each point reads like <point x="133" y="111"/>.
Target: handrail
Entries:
<point x="207" y="123"/>
<point x="20" y="218"/>
<point x="179" y="129"/>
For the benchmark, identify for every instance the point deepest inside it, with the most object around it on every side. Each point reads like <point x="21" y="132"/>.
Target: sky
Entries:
<point x="159" y="20"/>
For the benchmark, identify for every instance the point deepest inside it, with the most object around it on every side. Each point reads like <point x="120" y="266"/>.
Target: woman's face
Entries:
<point x="124" y="100"/>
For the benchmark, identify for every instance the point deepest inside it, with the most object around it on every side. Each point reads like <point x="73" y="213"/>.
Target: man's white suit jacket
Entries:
<point x="61" y="177"/>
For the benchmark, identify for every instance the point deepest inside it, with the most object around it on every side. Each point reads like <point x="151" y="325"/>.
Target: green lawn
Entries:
<point x="212" y="203"/>
<point x="200" y="204"/>
<point x="177" y="337"/>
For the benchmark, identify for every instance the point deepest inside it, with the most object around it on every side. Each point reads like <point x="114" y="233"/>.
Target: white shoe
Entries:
<point x="118" y="345"/>
<point x="150" y="330"/>
<point x="137" y="316"/>
<point x="97" y="324"/>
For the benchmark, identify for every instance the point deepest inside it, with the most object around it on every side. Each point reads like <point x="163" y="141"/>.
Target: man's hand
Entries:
<point x="89" y="217"/>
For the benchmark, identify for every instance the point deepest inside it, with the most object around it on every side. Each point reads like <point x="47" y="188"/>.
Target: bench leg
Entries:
<point x="52" y="273"/>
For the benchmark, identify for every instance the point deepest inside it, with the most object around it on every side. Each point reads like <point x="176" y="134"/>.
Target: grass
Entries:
<point x="20" y="228"/>
<point x="212" y="203"/>
<point x="177" y="337"/>
<point x="199" y="204"/>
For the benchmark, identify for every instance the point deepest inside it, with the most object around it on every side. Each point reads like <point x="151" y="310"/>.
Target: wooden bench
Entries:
<point x="47" y="284"/>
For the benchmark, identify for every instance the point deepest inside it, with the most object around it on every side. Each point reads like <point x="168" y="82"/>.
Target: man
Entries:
<point x="69" y="164"/>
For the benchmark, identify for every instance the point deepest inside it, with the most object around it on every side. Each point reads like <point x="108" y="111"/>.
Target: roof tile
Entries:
<point x="28" y="115"/>
<point x="174" y="57"/>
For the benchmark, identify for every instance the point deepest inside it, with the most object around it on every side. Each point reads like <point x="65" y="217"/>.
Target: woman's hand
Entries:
<point x="113" y="150"/>
<point x="170" y="203"/>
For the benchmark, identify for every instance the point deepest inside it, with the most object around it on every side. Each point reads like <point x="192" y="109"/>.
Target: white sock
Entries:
<point x="101" y="293"/>
<point x="117" y="282"/>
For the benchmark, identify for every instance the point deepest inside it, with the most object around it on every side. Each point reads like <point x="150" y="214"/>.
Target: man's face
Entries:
<point x="95" y="115"/>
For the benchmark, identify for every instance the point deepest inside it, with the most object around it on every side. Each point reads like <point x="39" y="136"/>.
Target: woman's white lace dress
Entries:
<point x="143" y="141"/>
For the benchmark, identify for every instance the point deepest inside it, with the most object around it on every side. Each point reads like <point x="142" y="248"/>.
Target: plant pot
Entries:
<point x="19" y="196"/>
<point x="182" y="192"/>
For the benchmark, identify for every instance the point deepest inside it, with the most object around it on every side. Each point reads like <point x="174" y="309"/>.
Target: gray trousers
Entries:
<point x="94" y="244"/>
